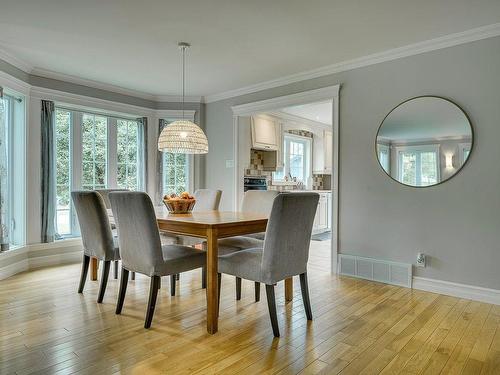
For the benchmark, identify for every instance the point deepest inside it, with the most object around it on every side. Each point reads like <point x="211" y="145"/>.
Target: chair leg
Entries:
<point x="123" y="290"/>
<point x="271" y="304"/>
<point x="116" y="270"/>
<point x="257" y="291"/>
<point x="238" y="288"/>
<point x="305" y="295"/>
<point x="133" y="276"/>
<point x="104" y="280"/>
<point x="172" y="284"/>
<point x="203" y="277"/>
<point x="153" y="293"/>
<point x="85" y="270"/>
<point x="219" y="282"/>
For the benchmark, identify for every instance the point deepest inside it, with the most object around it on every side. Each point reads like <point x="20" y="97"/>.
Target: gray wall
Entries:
<point x="456" y="223"/>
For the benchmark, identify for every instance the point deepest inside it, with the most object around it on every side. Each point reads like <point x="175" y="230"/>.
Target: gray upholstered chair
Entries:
<point x="256" y="201"/>
<point x="141" y="249"/>
<point x="105" y="196"/>
<point x="97" y="238"/>
<point x="284" y="253"/>
<point x="206" y="200"/>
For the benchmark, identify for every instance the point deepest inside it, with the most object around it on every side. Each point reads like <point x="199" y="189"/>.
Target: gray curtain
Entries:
<point x="159" y="168"/>
<point x="4" y="227"/>
<point x="48" y="169"/>
<point x="143" y="151"/>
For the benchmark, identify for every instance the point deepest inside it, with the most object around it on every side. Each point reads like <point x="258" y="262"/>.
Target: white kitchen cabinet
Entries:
<point x="266" y="133"/>
<point x="322" y="219"/>
<point x="322" y="153"/>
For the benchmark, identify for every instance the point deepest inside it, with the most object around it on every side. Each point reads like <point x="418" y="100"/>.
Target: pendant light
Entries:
<point x="183" y="136"/>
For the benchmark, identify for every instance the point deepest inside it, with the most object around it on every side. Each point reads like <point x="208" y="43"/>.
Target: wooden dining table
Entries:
<point x="212" y="226"/>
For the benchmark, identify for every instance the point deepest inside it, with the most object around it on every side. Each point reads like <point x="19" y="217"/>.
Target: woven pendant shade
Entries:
<point x="183" y="137"/>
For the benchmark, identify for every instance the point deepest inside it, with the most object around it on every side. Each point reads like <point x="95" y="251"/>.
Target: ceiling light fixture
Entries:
<point x="183" y="136"/>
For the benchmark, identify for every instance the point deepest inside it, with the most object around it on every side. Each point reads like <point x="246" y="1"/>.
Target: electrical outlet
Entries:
<point x="420" y="260"/>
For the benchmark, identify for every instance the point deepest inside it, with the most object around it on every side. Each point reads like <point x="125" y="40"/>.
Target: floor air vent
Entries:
<point x="376" y="270"/>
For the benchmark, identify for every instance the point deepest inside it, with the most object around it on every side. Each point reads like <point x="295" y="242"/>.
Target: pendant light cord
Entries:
<point x="183" y="77"/>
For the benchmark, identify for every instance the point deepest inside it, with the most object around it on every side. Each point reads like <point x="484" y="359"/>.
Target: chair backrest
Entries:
<point x="258" y="201"/>
<point x="105" y="195"/>
<point x="138" y="236"/>
<point x="288" y="236"/>
<point x="207" y="200"/>
<point x="96" y="232"/>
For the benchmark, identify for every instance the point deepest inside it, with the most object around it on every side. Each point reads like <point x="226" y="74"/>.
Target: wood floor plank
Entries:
<point x="359" y="327"/>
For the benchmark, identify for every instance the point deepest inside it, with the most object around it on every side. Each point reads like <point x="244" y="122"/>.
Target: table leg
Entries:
<point x="289" y="289"/>
<point x="93" y="268"/>
<point x="212" y="298"/>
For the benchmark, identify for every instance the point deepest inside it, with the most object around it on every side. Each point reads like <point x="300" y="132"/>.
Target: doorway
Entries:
<point x="301" y="169"/>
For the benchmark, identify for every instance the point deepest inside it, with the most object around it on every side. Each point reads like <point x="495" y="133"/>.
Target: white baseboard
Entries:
<point x="475" y="293"/>
<point x="60" y="252"/>
<point x="13" y="269"/>
<point x="54" y="260"/>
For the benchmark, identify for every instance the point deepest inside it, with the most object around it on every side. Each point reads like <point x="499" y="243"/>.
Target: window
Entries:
<point x="63" y="168"/>
<point x="12" y="158"/>
<point x="296" y="159"/>
<point x="464" y="151"/>
<point x="384" y="157"/>
<point x="418" y="165"/>
<point x="128" y="154"/>
<point x="175" y="173"/>
<point x="93" y="151"/>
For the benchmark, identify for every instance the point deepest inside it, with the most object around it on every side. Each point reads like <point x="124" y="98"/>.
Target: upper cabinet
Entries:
<point x="266" y="133"/>
<point x="322" y="153"/>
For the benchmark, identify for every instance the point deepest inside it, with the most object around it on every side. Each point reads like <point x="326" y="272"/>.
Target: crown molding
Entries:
<point x="273" y="104"/>
<point x="450" y="40"/>
<point x="112" y="88"/>
<point x="13" y="83"/>
<point x="15" y="61"/>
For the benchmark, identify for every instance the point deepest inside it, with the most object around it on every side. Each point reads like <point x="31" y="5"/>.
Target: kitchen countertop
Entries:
<point x="306" y="191"/>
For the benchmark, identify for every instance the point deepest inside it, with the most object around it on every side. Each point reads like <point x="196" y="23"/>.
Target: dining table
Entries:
<point x="210" y="226"/>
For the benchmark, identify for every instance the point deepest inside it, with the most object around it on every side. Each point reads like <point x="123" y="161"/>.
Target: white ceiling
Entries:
<point x="425" y="118"/>
<point x="236" y="43"/>
<point x="320" y="112"/>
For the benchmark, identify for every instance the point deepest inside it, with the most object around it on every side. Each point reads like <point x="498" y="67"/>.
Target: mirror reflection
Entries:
<point x="424" y="141"/>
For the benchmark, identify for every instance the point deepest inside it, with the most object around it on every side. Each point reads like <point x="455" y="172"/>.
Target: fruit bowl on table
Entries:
<point x="179" y="204"/>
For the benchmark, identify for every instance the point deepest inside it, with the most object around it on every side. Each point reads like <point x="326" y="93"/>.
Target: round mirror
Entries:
<point x="424" y="141"/>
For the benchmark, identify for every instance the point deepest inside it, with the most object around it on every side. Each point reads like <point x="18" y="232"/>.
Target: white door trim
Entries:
<point x="273" y="104"/>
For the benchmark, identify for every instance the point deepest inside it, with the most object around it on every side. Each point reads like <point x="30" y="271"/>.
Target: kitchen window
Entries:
<point x="296" y="159"/>
<point x="418" y="165"/>
<point x="93" y="151"/>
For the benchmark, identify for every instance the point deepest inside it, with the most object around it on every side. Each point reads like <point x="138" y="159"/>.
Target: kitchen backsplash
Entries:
<point x="322" y="182"/>
<point x="256" y="167"/>
<point x="302" y="133"/>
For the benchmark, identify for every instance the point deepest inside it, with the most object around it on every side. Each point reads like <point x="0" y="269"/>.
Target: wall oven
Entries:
<point x="254" y="183"/>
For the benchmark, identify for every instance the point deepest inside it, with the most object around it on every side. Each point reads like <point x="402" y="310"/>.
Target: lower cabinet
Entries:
<point x="322" y="220"/>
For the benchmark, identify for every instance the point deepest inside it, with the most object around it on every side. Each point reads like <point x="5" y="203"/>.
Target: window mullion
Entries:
<point x="112" y="154"/>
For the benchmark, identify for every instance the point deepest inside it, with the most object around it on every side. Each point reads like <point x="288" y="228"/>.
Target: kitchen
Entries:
<point x="290" y="150"/>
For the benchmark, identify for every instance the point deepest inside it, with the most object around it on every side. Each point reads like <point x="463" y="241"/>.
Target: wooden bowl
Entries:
<point x="179" y="206"/>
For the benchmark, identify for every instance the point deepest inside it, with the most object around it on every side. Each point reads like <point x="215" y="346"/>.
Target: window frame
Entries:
<point x="287" y="138"/>
<point x="76" y="156"/>
<point x="16" y="174"/>
<point x="462" y="148"/>
<point x="418" y="149"/>
<point x="383" y="148"/>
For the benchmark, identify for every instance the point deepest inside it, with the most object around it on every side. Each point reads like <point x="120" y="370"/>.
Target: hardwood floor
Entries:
<point x="359" y="327"/>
